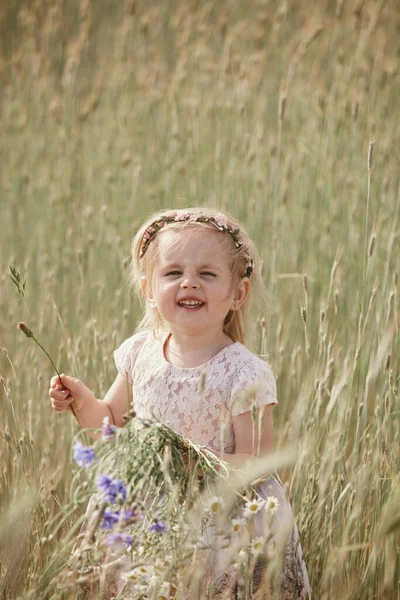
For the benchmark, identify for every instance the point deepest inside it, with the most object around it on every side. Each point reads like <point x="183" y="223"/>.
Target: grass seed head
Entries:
<point x="202" y="382"/>
<point x="282" y="108"/>
<point x="370" y="154"/>
<point x="28" y="332"/>
<point x="371" y="245"/>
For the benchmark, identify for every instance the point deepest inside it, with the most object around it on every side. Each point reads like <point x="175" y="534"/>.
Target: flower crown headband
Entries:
<point x="220" y="222"/>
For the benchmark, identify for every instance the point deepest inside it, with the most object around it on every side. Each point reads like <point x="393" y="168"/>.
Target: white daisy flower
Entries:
<point x="145" y="571"/>
<point x="138" y="574"/>
<point x="253" y="506"/>
<point x="164" y="591"/>
<point x="257" y="545"/>
<point x="272" y="504"/>
<point x="215" y="504"/>
<point x="139" y="590"/>
<point x="133" y="576"/>
<point x="161" y="564"/>
<point x="237" y="524"/>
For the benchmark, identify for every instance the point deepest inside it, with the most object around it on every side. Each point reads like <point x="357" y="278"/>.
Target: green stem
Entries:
<point x="55" y="368"/>
<point x="45" y="351"/>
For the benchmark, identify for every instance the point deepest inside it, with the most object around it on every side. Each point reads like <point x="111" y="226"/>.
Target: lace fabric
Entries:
<point x="174" y="395"/>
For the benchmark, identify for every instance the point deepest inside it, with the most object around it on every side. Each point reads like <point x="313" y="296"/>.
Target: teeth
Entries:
<point x="190" y="303"/>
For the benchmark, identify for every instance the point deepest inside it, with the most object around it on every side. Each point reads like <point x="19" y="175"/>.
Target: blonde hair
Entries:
<point x="236" y="322"/>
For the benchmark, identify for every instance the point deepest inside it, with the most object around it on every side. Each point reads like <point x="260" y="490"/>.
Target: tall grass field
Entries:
<point x="284" y="113"/>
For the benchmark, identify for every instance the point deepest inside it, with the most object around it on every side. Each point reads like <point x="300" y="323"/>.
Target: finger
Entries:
<point x="54" y="381"/>
<point x="58" y="394"/>
<point x="61" y="381"/>
<point x="59" y="406"/>
<point x="71" y="383"/>
<point x="58" y="386"/>
<point x="60" y="398"/>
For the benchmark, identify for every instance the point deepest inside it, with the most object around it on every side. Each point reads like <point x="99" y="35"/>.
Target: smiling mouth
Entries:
<point x="191" y="305"/>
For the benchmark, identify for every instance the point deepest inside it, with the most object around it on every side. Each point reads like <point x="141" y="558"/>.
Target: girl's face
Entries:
<point x="192" y="286"/>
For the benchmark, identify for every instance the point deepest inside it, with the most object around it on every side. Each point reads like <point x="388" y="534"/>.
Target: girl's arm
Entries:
<point x="119" y="400"/>
<point x="115" y="405"/>
<point x="245" y="448"/>
<point x="88" y="410"/>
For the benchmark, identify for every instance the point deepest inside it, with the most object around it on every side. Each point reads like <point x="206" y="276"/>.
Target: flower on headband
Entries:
<point x="221" y="220"/>
<point x="182" y="215"/>
<point x="148" y="233"/>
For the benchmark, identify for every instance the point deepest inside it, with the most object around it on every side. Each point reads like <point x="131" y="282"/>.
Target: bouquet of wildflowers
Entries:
<point x="142" y="480"/>
<point x="153" y="502"/>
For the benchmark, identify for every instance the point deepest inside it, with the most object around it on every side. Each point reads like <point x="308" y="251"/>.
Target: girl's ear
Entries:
<point x="242" y="292"/>
<point x="144" y="286"/>
<point x="146" y="291"/>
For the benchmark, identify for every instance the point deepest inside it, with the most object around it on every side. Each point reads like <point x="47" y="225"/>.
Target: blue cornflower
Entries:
<point x="109" y="519"/>
<point x="111" y="487"/>
<point x="119" y="538"/>
<point x="105" y="483"/>
<point x="159" y="526"/>
<point x="83" y="455"/>
<point x="129" y="515"/>
<point x="107" y="430"/>
<point x="120" y="488"/>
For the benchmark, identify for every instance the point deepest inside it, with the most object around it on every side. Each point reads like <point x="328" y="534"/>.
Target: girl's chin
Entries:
<point x="187" y="310"/>
<point x="190" y="313"/>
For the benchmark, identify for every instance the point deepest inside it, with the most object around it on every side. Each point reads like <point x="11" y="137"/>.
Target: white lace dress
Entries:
<point x="199" y="403"/>
<point x="174" y="395"/>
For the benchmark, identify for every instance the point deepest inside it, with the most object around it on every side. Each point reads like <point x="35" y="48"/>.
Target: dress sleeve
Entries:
<point x="253" y="384"/>
<point x="125" y="356"/>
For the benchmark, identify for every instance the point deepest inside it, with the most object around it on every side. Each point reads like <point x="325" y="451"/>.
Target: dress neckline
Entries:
<point x="162" y="347"/>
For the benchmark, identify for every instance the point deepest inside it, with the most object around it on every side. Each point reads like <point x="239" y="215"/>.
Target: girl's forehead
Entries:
<point x="175" y="245"/>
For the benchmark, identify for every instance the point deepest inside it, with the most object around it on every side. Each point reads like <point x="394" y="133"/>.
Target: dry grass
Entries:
<point x="109" y="112"/>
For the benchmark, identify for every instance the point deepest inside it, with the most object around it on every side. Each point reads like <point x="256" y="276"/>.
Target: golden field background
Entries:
<point x="111" y="110"/>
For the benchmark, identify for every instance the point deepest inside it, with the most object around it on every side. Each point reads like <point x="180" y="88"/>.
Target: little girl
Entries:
<point x="196" y="272"/>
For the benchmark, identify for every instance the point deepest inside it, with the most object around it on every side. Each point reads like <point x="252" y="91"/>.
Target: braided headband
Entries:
<point x="219" y="222"/>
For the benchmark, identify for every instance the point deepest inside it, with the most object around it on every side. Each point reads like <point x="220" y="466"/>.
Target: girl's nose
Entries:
<point x="185" y="284"/>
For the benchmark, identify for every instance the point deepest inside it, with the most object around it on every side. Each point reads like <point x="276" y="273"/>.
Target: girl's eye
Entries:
<point x="202" y="273"/>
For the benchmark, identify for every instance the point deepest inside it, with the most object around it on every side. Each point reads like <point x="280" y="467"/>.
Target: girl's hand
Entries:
<point x="71" y="390"/>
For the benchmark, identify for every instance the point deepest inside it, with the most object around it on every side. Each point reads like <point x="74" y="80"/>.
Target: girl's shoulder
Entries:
<point x="253" y="383"/>
<point x="138" y="337"/>
<point x="248" y="362"/>
<point x="126" y="354"/>
<point x="135" y="341"/>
